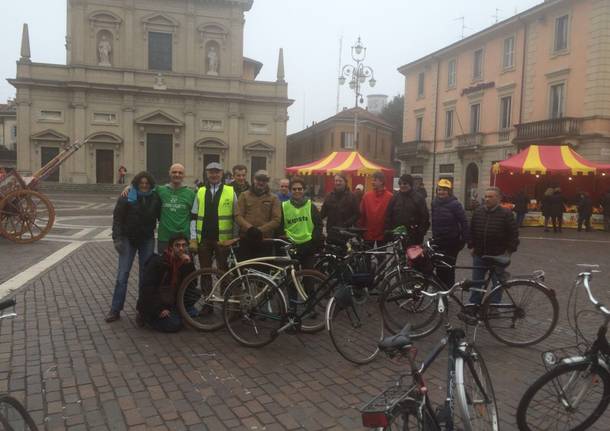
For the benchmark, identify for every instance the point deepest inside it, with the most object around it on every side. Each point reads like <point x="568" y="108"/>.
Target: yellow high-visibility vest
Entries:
<point x="225" y="213"/>
<point x="298" y="224"/>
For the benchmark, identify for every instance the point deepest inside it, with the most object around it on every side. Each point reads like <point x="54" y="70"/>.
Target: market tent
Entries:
<point x="550" y="160"/>
<point x="351" y="163"/>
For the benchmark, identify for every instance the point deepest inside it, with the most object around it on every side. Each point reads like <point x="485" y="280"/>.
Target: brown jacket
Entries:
<point x="264" y="212"/>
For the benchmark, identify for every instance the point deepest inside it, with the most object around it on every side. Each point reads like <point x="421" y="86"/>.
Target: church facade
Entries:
<point x="148" y="83"/>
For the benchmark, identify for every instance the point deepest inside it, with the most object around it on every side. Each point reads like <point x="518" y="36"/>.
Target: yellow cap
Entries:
<point x="444" y="183"/>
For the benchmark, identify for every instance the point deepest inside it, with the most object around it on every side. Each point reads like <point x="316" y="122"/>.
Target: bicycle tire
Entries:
<point x="527" y="414"/>
<point x="246" y="316"/>
<point x="510" y="325"/>
<point x="401" y="304"/>
<point x="12" y="412"/>
<point x="205" y="314"/>
<point x="355" y="330"/>
<point x="315" y="321"/>
<point x="473" y="385"/>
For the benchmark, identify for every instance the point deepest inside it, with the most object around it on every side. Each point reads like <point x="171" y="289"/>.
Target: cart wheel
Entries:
<point x="25" y="216"/>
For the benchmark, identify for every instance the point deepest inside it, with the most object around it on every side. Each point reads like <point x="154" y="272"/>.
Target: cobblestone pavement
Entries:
<point x="74" y="371"/>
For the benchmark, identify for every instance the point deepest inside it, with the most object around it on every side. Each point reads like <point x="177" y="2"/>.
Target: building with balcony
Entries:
<point x="336" y="133"/>
<point x="8" y="134"/>
<point x="540" y="77"/>
<point x="149" y="83"/>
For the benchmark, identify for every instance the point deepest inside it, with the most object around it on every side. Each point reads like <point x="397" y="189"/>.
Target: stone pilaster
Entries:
<point x="597" y="93"/>
<point x="530" y="72"/>
<point x="79" y="125"/>
<point x="25" y="155"/>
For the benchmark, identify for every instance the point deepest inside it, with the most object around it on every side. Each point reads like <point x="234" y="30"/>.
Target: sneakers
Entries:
<point x="113" y="316"/>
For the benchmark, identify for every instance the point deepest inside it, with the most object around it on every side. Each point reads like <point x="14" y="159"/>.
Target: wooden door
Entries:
<point x="46" y="155"/>
<point x="159" y="156"/>
<point x="258" y="163"/>
<point x="104" y="166"/>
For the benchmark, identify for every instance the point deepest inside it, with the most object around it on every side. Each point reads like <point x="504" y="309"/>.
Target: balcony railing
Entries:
<point x="548" y="129"/>
<point x="470" y="141"/>
<point x="418" y="149"/>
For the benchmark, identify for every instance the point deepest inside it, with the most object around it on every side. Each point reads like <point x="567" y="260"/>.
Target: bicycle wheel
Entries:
<point x="13" y="416"/>
<point x="476" y="401"/>
<point x="200" y="299"/>
<point x="403" y="302"/>
<point x="311" y="281"/>
<point x="355" y="327"/>
<point x="568" y="397"/>
<point x="253" y="310"/>
<point x="526" y="315"/>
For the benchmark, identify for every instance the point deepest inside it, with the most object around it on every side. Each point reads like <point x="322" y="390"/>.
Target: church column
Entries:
<point x="188" y="151"/>
<point x="131" y="143"/>
<point x="25" y="156"/>
<point x="236" y="154"/>
<point x="79" y="169"/>
<point x="280" y="144"/>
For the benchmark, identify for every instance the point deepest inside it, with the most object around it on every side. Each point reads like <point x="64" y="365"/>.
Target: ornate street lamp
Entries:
<point x="357" y="74"/>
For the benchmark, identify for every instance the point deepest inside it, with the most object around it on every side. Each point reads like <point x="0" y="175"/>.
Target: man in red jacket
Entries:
<point x="373" y="208"/>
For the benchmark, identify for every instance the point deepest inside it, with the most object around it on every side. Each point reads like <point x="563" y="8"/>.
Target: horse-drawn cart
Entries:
<point x="27" y="215"/>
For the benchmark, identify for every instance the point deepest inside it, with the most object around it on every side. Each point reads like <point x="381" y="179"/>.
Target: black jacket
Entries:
<point x="341" y="209"/>
<point x="136" y="221"/>
<point x="521" y="202"/>
<point x="585" y="206"/>
<point x="157" y="293"/>
<point x="493" y="232"/>
<point x="556" y="202"/>
<point x="606" y="204"/>
<point x="409" y="210"/>
<point x="449" y="223"/>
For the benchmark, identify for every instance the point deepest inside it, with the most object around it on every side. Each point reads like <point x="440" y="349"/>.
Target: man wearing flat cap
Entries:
<point x="212" y="218"/>
<point x="259" y="214"/>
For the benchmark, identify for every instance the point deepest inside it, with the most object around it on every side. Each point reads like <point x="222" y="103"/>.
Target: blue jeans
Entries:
<point x="478" y="274"/>
<point x="520" y="218"/>
<point x="172" y="323"/>
<point x="145" y="251"/>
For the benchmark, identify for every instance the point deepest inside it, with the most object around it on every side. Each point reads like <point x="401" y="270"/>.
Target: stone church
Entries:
<point x="149" y="83"/>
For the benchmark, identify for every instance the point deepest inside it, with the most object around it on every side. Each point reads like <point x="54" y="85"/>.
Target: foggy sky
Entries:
<point x="395" y="32"/>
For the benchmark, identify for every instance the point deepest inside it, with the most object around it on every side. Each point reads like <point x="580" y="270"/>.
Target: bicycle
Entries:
<point x="256" y="309"/>
<point x="527" y="314"/>
<point x="13" y="415"/>
<point x="575" y="390"/>
<point x="200" y="296"/>
<point x="470" y="402"/>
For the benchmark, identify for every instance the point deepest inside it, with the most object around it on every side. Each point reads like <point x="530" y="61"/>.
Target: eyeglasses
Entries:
<point x="297" y="189"/>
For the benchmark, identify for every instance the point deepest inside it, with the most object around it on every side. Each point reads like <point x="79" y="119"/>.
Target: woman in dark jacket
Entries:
<point x="546" y="207"/>
<point x="133" y="231"/>
<point x="450" y="230"/>
<point x="340" y="208"/>
<point x="556" y="203"/>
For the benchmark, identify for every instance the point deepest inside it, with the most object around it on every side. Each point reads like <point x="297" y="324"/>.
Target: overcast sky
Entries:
<point x="394" y="31"/>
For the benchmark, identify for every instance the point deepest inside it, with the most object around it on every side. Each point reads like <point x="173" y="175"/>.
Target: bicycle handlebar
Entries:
<point x="7" y="303"/>
<point x="601" y="307"/>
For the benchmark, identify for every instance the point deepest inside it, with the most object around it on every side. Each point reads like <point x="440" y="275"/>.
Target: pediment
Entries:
<point x="159" y="118"/>
<point x="158" y="19"/>
<point x="211" y="144"/>
<point x="104" y="138"/>
<point x="213" y="29"/>
<point x="105" y="17"/>
<point x="49" y="135"/>
<point x="259" y="146"/>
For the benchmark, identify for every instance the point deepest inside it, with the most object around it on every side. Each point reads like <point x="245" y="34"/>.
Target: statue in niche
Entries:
<point x="212" y="61"/>
<point x="104" y="49"/>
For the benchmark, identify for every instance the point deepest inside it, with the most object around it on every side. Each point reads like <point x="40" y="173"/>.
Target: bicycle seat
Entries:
<point x="501" y="261"/>
<point x="396" y="342"/>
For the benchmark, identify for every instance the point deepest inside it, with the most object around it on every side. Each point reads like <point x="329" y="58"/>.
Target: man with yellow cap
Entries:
<point x="450" y="230"/>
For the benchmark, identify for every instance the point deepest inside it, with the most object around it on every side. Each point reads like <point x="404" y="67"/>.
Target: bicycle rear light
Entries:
<point x="375" y="420"/>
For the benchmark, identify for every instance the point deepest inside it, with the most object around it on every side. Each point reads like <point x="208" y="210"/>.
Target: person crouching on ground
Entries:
<point x="163" y="276"/>
<point x="133" y="231"/>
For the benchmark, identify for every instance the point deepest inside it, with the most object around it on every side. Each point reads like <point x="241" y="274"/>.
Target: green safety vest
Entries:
<point x="298" y="224"/>
<point x="225" y="213"/>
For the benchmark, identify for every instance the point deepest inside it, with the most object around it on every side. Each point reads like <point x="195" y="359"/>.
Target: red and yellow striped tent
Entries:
<point x="549" y="160"/>
<point x="350" y="163"/>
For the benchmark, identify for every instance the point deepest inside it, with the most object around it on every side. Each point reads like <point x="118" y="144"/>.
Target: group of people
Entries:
<point x="205" y="221"/>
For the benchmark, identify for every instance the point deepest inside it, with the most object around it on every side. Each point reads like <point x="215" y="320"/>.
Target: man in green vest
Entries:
<point x="212" y="218"/>
<point x="301" y="223"/>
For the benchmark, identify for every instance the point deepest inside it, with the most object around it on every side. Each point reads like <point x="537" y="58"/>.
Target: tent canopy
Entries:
<point x="350" y="162"/>
<point x="552" y="160"/>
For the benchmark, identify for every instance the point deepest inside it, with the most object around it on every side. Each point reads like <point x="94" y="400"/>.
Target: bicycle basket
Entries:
<point x="554" y="357"/>
<point x="361" y="279"/>
<point x="381" y="410"/>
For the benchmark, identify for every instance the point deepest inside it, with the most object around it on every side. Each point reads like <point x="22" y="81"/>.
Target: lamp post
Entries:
<point x="357" y="74"/>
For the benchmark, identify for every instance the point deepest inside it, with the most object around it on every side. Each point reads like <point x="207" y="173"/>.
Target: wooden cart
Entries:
<point x="27" y="215"/>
